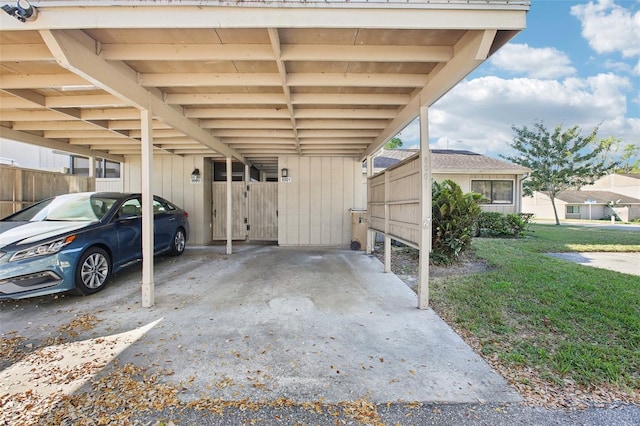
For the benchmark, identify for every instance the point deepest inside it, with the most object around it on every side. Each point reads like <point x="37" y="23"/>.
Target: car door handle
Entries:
<point x="171" y="219"/>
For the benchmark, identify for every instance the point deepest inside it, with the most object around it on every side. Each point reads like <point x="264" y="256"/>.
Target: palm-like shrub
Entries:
<point x="454" y="215"/>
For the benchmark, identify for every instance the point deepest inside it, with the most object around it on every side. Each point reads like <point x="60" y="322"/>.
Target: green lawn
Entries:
<point x="567" y="323"/>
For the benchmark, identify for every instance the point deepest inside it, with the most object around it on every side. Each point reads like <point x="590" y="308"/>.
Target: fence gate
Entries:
<point x="219" y="211"/>
<point x="255" y="214"/>
<point x="263" y="211"/>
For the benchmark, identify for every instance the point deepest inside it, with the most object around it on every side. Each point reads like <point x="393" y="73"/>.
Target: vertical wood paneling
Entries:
<point x="219" y="205"/>
<point x="304" y="205"/>
<point x="315" y="206"/>
<point x="325" y="203"/>
<point x="262" y="207"/>
<point x="109" y="184"/>
<point x="352" y="173"/>
<point x="171" y="180"/>
<point x="293" y="199"/>
<point x="22" y="187"/>
<point x="337" y="200"/>
<point x="318" y="199"/>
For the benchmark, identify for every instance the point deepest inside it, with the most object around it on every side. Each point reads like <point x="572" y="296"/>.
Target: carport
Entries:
<point x="313" y="88"/>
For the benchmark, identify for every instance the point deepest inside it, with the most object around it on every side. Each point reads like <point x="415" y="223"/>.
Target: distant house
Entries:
<point x="499" y="181"/>
<point x="18" y="154"/>
<point x="617" y="193"/>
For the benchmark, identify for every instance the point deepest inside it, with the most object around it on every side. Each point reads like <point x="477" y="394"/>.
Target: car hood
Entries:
<point x="32" y="232"/>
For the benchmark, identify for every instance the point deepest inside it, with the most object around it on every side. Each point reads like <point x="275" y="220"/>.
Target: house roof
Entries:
<point x="600" y="197"/>
<point x="451" y="161"/>
<point x="630" y="175"/>
<point x="251" y="80"/>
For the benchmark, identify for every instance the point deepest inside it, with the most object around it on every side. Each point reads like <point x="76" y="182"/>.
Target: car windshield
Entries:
<point x="71" y="207"/>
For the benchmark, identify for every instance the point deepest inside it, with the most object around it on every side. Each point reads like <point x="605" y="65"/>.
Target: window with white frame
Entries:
<point x="573" y="209"/>
<point x="104" y="168"/>
<point x="494" y="191"/>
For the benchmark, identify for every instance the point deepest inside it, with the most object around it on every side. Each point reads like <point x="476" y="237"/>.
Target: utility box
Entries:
<point x="359" y="225"/>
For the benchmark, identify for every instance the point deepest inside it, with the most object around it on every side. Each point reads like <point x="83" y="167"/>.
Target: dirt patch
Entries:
<point x="404" y="263"/>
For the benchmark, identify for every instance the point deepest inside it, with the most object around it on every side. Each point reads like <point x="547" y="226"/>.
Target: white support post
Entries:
<point x="229" y="207"/>
<point x="425" y="211"/>
<point x="92" y="167"/>
<point x="387" y="237"/>
<point x="147" y="209"/>
<point x="371" y="235"/>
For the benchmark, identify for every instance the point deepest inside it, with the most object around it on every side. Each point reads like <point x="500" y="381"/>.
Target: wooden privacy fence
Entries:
<point x="394" y="201"/>
<point x="21" y="187"/>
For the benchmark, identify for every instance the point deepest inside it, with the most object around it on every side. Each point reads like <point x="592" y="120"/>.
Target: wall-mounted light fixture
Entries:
<point x="285" y="172"/>
<point x="22" y="11"/>
<point x="195" y="173"/>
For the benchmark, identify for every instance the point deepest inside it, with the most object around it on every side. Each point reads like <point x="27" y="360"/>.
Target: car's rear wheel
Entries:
<point x="93" y="271"/>
<point x="178" y="243"/>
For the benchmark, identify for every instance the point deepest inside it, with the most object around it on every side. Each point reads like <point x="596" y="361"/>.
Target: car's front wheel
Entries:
<point x="178" y="243"/>
<point x="93" y="271"/>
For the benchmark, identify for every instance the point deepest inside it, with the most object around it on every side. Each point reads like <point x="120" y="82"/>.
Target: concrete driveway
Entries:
<point x="627" y="263"/>
<point x="268" y="322"/>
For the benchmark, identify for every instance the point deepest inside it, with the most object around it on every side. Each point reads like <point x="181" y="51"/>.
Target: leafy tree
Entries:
<point x="630" y="159"/>
<point x="393" y="143"/>
<point x="559" y="160"/>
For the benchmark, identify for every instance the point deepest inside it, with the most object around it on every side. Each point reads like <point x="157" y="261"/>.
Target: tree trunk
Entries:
<point x="555" y="211"/>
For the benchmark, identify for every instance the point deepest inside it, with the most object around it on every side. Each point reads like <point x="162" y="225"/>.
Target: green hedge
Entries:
<point x="500" y="225"/>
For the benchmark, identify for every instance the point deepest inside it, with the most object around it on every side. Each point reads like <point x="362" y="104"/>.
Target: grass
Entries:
<point x="567" y="322"/>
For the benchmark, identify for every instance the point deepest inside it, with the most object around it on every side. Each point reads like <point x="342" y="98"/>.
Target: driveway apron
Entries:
<point x="273" y="322"/>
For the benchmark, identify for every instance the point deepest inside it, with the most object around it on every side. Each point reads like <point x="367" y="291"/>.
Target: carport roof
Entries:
<point x="248" y="80"/>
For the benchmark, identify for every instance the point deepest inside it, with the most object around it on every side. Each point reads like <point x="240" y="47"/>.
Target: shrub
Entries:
<point x="454" y="215"/>
<point x="494" y="224"/>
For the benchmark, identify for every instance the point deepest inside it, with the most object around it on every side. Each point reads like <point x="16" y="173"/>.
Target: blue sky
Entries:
<point x="576" y="63"/>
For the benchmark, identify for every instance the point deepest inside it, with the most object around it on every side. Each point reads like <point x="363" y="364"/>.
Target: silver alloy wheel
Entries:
<point x="179" y="241"/>
<point x="95" y="270"/>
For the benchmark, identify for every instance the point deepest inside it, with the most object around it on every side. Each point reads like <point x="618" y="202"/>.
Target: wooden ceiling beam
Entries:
<point x="75" y="51"/>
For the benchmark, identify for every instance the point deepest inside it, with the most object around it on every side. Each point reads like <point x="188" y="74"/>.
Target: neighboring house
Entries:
<point x="499" y="181"/>
<point x="592" y="202"/>
<point x="624" y="183"/>
<point x="107" y="173"/>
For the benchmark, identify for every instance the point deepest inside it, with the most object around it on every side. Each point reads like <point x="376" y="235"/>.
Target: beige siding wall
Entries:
<point x="109" y="184"/>
<point x="172" y="180"/>
<point x="314" y="206"/>
<point x="465" y="184"/>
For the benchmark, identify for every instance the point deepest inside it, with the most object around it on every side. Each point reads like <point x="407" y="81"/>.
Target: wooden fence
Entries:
<point x="394" y="201"/>
<point x="21" y="187"/>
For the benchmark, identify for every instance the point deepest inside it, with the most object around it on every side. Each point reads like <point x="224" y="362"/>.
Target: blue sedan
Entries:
<point x="74" y="242"/>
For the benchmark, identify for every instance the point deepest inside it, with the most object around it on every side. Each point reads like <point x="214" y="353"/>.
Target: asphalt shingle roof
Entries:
<point x="451" y="161"/>
<point x="601" y="197"/>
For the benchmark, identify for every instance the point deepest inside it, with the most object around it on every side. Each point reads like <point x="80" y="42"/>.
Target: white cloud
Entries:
<point x="478" y="114"/>
<point x="547" y="62"/>
<point x="610" y="28"/>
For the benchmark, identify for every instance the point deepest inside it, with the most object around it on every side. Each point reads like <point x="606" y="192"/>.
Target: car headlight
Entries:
<point x="43" y="249"/>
